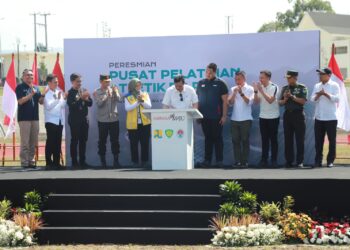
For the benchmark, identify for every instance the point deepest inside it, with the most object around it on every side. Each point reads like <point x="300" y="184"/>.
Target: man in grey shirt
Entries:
<point x="106" y="98"/>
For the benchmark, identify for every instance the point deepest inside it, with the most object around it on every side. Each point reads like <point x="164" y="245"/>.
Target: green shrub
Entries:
<point x="33" y="198"/>
<point x="270" y="212"/>
<point x="288" y="204"/>
<point x="227" y="209"/>
<point x="231" y="191"/>
<point x="5" y="208"/>
<point x="249" y="200"/>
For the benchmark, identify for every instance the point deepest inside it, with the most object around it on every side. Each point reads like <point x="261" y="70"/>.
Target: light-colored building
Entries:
<point x="334" y="28"/>
<point x="45" y="60"/>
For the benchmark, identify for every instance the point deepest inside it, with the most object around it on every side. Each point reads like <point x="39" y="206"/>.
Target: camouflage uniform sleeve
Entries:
<point x="303" y="92"/>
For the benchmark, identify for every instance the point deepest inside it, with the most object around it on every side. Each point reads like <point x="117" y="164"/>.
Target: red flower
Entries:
<point x="311" y="235"/>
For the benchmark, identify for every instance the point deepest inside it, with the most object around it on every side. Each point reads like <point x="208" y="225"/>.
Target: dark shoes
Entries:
<point x="116" y="163"/>
<point x="103" y="161"/>
<point x="203" y="164"/>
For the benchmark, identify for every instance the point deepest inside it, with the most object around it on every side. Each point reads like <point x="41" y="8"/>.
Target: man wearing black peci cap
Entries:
<point x="106" y="99"/>
<point x="326" y="96"/>
<point x="293" y="97"/>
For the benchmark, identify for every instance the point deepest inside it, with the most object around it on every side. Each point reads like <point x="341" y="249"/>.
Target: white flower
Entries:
<point x="26" y="229"/>
<point x="19" y="235"/>
<point x="28" y="240"/>
<point x="319" y="241"/>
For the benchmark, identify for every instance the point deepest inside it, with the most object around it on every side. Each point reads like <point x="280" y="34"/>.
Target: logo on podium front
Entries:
<point x="158" y="134"/>
<point x="180" y="133"/>
<point x="169" y="133"/>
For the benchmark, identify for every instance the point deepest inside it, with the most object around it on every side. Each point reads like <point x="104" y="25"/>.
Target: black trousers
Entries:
<point x="140" y="135"/>
<point x="212" y="131"/>
<point x="53" y="143"/>
<point x="79" y="135"/>
<point x="321" y="129"/>
<point x="269" y="134"/>
<point x="294" y="126"/>
<point x="111" y="129"/>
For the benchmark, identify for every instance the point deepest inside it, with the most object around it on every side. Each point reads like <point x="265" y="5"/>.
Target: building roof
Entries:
<point x="333" y="23"/>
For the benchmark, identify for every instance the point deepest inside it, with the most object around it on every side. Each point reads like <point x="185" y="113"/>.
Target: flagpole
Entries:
<point x="14" y="145"/>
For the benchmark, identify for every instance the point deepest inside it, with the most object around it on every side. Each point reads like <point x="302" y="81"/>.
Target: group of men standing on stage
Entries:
<point x="212" y="98"/>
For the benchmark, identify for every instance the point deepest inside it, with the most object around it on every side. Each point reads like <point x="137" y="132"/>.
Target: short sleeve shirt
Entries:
<point x="269" y="110"/>
<point x="28" y="111"/>
<point x="184" y="100"/>
<point x="210" y="97"/>
<point x="300" y="91"/>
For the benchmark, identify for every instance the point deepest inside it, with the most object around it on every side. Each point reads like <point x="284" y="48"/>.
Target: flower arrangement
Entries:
<point x="13" y="235"/>
<point x="295" y="227"/>
<point x="251" y="235"/>
<point x="329" y="233"/>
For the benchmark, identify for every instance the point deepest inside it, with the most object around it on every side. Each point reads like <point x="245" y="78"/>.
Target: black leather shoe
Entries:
<point x="103" y="161"/>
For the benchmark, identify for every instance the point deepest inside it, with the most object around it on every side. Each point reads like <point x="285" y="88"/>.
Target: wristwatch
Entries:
<point x="242" y="94"/>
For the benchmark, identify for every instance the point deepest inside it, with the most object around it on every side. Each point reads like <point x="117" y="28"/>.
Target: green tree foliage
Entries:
<point x="290" y="19"/>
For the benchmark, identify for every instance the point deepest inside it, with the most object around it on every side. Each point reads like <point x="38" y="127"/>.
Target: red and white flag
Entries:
<point x="343" y="110"/>
<point x="9" y="99"/>
<point x="35" y="71"/>
<point x="58" y="72"/>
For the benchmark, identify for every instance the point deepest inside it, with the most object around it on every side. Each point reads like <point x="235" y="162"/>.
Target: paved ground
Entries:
<point x="339" y="172"/>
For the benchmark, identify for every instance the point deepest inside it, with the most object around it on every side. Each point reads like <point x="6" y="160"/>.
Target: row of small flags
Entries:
<point x="9" y="99"/>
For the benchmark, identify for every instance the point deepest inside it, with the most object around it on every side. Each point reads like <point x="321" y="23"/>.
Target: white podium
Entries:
<point x="172" y="138"/>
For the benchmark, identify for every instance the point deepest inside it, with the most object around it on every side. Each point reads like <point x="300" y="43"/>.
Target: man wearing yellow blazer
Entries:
<point x="137" y="123"/>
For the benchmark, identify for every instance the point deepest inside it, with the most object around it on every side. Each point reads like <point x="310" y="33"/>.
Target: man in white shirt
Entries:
<point x="54" y="104"/>
<point x="180" y="95"/>
<point x="326" y="96"/>
<point x="241" y="98"/>
<point x="265" y="93"/>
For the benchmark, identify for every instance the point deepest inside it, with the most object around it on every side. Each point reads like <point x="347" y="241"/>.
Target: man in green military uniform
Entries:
<point x="293" y="98"/>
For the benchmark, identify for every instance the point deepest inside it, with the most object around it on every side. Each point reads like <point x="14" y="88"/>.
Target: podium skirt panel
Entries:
<point x="140" y="135"/>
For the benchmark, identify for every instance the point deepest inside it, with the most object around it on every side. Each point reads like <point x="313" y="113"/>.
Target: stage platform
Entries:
<point x="161" y="207"/>
<point x="338" y="172"/>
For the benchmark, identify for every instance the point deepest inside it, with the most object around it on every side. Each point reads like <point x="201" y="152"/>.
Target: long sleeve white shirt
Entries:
<point x="326" y="108"/>
<point x="54" y="107"/>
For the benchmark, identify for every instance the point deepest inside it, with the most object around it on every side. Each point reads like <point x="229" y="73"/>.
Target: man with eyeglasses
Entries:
<point x="326" y="96"/>
<point x="180" y="95"/>
<point x="28" y="97"/>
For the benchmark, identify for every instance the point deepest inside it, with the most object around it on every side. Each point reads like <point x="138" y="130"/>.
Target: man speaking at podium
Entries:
<point x="180" y="95"/>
